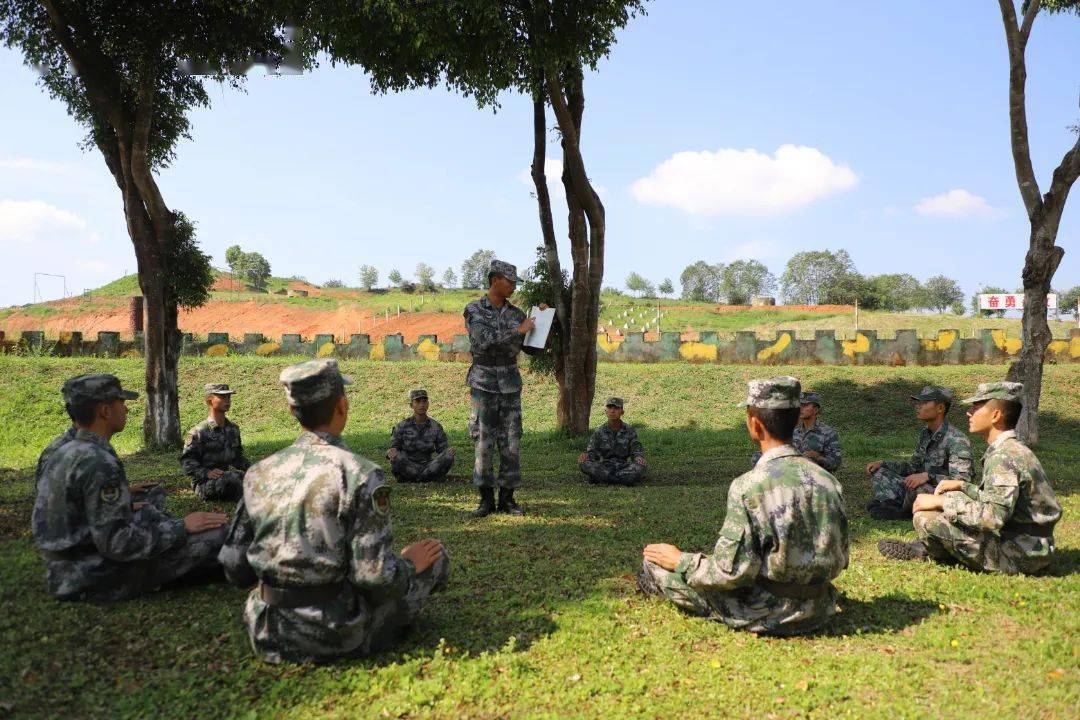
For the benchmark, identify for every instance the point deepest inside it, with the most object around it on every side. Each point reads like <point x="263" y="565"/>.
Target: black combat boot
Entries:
<point x="880" y="511"/>
<point x="487" y="503"/>
<point x="507" y="504"/>
<point x="900" y="550"/>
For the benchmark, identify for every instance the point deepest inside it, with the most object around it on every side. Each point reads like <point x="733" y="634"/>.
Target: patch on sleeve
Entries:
<point x="110" y="494"/>
<point x="380" y="500"/>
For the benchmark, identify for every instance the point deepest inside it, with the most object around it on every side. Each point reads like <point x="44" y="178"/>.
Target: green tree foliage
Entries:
<point x="896" y="292"/>
<point x="333" y="283"/>
<point x="811" y="275"/>
<point x="635" y="283"/>
<point x="701" y="281"/>
<point x="1068" y="299"/>
<point x="251" y="267"/>
<point x="666" y="287"/>
<point x="537" y="288"/>
<point x="369" y="276"/>
<point x="396" y="278"/>
<point x="474" y="269"/>
<point x="744" y="279"/>
<point x="425" y="276"/>
<point x="193" y="275"/>
<point x="449" y="278"/>
<point x="942" y="293"/>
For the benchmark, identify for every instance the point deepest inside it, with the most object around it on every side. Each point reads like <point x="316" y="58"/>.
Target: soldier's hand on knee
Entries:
<point x="215" y="474"/>
<point x="873" y="467"/>
<point x="948" y="486"/>
<point x="392" y="453"/>
<point x="662" y="554"/>
<point x="913" y="481"/>
<point x="452" y="452"/>
<point x="582" y="457"/>
<point x="926" y="501"/>
<point x="640" y="461"/>
<point x="423" y="554"/>
<point x="198" y="522"/>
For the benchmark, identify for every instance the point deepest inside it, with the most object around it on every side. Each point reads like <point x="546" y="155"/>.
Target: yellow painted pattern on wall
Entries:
<point x="378" y="352"/>
<point x="607" y="344"/>
<point x="698" y="351"/>
<point x="1071" y="346"/>
<point x="325" y="350"/>
<point x="428" y="350"/>
<point x="65" y="336"/>
<point x="219" y="350"/>
<point x="782" y="341"/>
<point x="131" y="354"/>
<point x="1008" y="344"/>
<point x="267" y="348"/>
<point x="944" y="341"/>
<point x="860" y="344"/>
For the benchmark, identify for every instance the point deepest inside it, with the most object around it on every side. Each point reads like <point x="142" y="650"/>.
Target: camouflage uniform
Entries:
<point x="495" y="386"/>
<point x="61" y="439"/>
<point x="314" y="530"/>
<point x="613" y="454"/>
<point x="821" y="438"/>
<point x="942" y="454"/>
<point x="1005" y="523"/>
<point x="95" y="546"/>
<point x="416" y="443"/>
<point x="210" y="447"/>
<point x="784" y="538"/>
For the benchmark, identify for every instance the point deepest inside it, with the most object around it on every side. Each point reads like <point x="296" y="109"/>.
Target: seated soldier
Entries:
<point x="942" y="452"/>
<point x="414" y="440"/>
<point x="1005" y="523"/>
<point x="813" y="438"/>
<point x="99" y="540"/>
<point x="213" y="455"/>
<point x="614" y="455"/>
<point x="784" y="538"/>
<point x="314" y="530"/>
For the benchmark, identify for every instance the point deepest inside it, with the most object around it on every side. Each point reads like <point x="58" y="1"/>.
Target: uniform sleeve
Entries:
<point x="233" y="554"/>
<point x="734" y="561"/>
<point x="191" y="458"/>
<point x="593" y="449"/>
<point x="441" y="441"/>
<point x="395" y="437"/>
<point x="637" y="450"/>
<point x="483" y="337"/>
<point x="989" y="507"/>
<point x="116" y="532"/>
<point x="961" y="461"/>
<point x="374" y="567"/>
<point x="831" y="452"/>
<point x="240" y="462"/>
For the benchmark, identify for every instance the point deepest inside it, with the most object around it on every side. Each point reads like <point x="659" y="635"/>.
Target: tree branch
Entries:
<point x="140" y="160"/>
<point x="1029" y="20"/>
<point x="543" y="196"/>
<point x="575" y="165"/>
<point x="1021" y="150"/>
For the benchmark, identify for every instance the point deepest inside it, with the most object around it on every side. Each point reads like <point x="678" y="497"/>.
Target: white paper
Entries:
<point x="537" y="337"/>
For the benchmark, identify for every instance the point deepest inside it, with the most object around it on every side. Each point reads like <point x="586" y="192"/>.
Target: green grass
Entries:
<point x="541" y="618"/>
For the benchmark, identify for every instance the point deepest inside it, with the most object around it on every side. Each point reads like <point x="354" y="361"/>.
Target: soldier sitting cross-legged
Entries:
<point x="615" y="455"/>
<point x="419" y="450"/>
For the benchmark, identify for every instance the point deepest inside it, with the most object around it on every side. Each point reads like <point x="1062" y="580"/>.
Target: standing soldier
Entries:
<point x="100" y="542"/>
<point x="496" y="332"/>
<point x="313" y="530"/>
<point x="813" y="438"/>
<point x="942" y="452"/>
<point x="784" y="538"/>
<point x="615" y="455"/>
<point x="414" y="440"/>
<point x="213" y="455"/>
<point x="1004" y="524"/>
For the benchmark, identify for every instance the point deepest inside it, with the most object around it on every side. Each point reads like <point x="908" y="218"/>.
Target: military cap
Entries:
<point x="1011" y="391"/>
<point x="809" y="397"/>
<point x="778" y="393"/>
<point x="217" y="389"/>
<point x="934" y="393"/>
<point x="313" y="380"/>
<point x="94" y="387"/>
<point x="417" y="394"/>
<point x="508" y="271"/>
<point x="614" y="402"/>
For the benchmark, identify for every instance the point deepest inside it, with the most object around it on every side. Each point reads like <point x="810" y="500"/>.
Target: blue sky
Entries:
<point x="716" y="131"/>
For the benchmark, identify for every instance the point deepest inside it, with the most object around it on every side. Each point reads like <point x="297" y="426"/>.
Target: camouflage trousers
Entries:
<point x="149" y="494"/>
<point x="613" y="472"/>
<point x="98" y="579"/>
<point x="495" y="422"/>
<point x="229" y="486"/>
<point x="887" y="489"/>
<point x="748" y="608"/>
<point x="407" y="470"/>
<point x="980" y="550"/>
<point x="346" y="627"/>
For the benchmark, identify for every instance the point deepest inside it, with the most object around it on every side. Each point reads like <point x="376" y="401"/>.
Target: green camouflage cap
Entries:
<point x="217" y="389"/>
<point x="94" y="387"/>
<point x="809" y="397"/>
<point x="614" y="402"/>
<point x="417" y="394"/>
<point x="508" y="271"/>
<point x="778" y="393"/>
<point x="1011" y="391"/>
<point x="934" y="393"/>
<point x="313" y="380"/>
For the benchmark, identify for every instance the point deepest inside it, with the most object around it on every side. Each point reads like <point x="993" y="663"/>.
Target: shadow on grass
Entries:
<point x="884" y="614"/>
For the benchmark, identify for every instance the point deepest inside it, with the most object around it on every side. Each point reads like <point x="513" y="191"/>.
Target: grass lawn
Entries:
<point x="541" y="618"/>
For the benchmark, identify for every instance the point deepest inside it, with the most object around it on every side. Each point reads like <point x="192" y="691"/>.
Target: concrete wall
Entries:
<point x="906" y="348"/>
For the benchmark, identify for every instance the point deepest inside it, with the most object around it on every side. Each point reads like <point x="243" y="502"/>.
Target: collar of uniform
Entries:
<point x="1002" y="438"/>
<point x="427" y="420"/>
<point x="940" y="432"/>
<point x="311" y="437"/>
<point x="210" y="420"/>
<point x="778" y="452"/>
<point x="92" y="437"/>
<point x="486" y="302"/>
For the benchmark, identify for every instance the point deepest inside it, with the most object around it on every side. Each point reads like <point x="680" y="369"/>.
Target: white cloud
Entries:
<point x="33" y="165"/>
<point x="744" y="182"/>
<point x="954" y="204"/>
<point x="26" y="221"/>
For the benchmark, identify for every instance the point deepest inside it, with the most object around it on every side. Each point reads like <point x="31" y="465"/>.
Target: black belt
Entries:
<point x="294" y="597"/>
<point x="492" y="361"/>
<point x="793" y="590"/>
<point x="1032" y="529"/>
